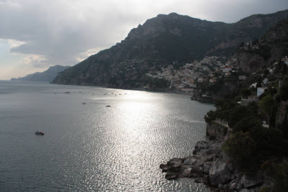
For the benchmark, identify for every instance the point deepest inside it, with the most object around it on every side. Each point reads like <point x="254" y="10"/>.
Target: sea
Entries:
<point x="96" y="139"/>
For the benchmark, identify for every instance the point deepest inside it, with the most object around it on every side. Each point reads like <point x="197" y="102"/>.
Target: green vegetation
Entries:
<point x="157" y="83"/>
<point x="251" y="145"/>
<point x="265" y="189"/>
<point x="268" y="107"/>
<point x="241" y="147"/>
<point x="280" y="173"/>
<point x="284" y="90"/>
<point x="245" y="93"/>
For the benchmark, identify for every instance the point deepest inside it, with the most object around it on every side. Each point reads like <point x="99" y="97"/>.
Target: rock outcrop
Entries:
<point x="209" y="165"/>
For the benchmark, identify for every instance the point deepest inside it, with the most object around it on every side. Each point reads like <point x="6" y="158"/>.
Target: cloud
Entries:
<point x="65" y="31"/>
<point x="60" y="30"/>
<point x="14" y="43"/>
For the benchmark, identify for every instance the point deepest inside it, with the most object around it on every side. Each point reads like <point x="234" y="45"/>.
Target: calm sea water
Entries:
<point x="91" y="147"/>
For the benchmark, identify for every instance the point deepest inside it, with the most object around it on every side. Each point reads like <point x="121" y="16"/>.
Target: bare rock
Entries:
<point x="235" y="185"/>
<point x="190" y="160"/>
<point x="250" y="182"/>
<point x="164" y="167"/>
<point x="219" y="173"/>
<point x="244" y="190"/>
<point x="200" y="145"/>
<point x="175" y="162"/>
<point x="174" y="169"/>
<point x="216" y="131"/>
<point x="171" y="175"/>
<point x="186" y="171"/>
<point x="206" y="167"/>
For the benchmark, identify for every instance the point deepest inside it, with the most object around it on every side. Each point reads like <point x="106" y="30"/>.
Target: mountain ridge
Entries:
<point x="47" y="75"/>
<point x="163" y="40"/>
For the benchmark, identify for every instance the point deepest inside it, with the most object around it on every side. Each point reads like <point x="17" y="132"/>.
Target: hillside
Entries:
<point x="250" y="58"/>
<point x="161" y="41"/>
<point x="255" y="55"/>
<point x="257" y="116"/>
<point x="47" y="75"/>
<point x="246" y="144"/>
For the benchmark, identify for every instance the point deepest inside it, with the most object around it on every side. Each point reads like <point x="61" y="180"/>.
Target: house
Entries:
<point x="265" y="81"/>
<point x="285" y="60"/>
<point x="253" y="85"/>
<point x="227" y="74"/>
<point x="200" y="80"/>
<point x="247" y="101"/>
<point x="226" y="69"/>
<point x="260" y="91"/>
<point x="264" y="124"/>
<point x="242" y="77"/>
<point x="212" y="80"/>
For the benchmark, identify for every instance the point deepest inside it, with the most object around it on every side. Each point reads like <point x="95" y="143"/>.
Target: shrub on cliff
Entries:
<point x="280" y="174"/>
<point x="157" y="83"/>
<point x="251" y="144"/>
<point x="240" y="112"/>
<point x="245" y="93"/>
<point x="210" y="116"/>
<point x="247" y="124"/>
<point x="270" y="144"/>
<point x="284" y="90"/>
<point x="241" y="148"/>
<point x="278" y="170"/>
<point x="268" y="106"/>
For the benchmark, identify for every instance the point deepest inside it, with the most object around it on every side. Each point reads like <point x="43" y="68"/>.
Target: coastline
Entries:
<point x="211" y="166"/>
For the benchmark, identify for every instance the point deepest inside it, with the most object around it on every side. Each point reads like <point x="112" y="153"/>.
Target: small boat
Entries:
<point x="39" y="133"/>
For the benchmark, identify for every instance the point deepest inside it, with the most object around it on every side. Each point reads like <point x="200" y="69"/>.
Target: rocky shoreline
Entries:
<point x="211" y="166"/>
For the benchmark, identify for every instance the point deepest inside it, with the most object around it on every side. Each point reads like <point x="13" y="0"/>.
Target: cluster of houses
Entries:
<point x="265" y="82"/>
<point x="192" y="75"/>
<point x="250" y="45"/>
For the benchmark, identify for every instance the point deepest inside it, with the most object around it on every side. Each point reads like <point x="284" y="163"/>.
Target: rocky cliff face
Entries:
<point x="209" y="165"/>
<point x="253" y="56"/>
<point x="250" y="58"/>
<point x="161" y="41"/>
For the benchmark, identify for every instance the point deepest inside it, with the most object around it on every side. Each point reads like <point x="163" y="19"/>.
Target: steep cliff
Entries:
<point x="255" y="55"/>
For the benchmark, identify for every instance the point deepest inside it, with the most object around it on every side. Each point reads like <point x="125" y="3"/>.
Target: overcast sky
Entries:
<point x="36" y="34"/>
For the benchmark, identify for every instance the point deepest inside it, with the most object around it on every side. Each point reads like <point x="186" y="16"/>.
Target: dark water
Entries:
<point x="90" y="147"/>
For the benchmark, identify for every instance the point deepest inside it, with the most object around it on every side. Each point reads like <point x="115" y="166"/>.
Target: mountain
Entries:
<point x="249" y="59"/>
<point x="253" y="56"/>
<point x="47" y="75"/>
<point x="161" y="41"/>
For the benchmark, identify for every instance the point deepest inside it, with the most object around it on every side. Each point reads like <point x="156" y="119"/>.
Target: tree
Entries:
<point x="268" y="108"/>
<point x="241" y="147"/>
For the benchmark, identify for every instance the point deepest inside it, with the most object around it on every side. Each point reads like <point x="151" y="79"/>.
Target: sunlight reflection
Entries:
<point x="134" y="119"/>
<point x="132" y="122"/>
<point x="134" y="109"/>
<point x="137" y="95"/>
